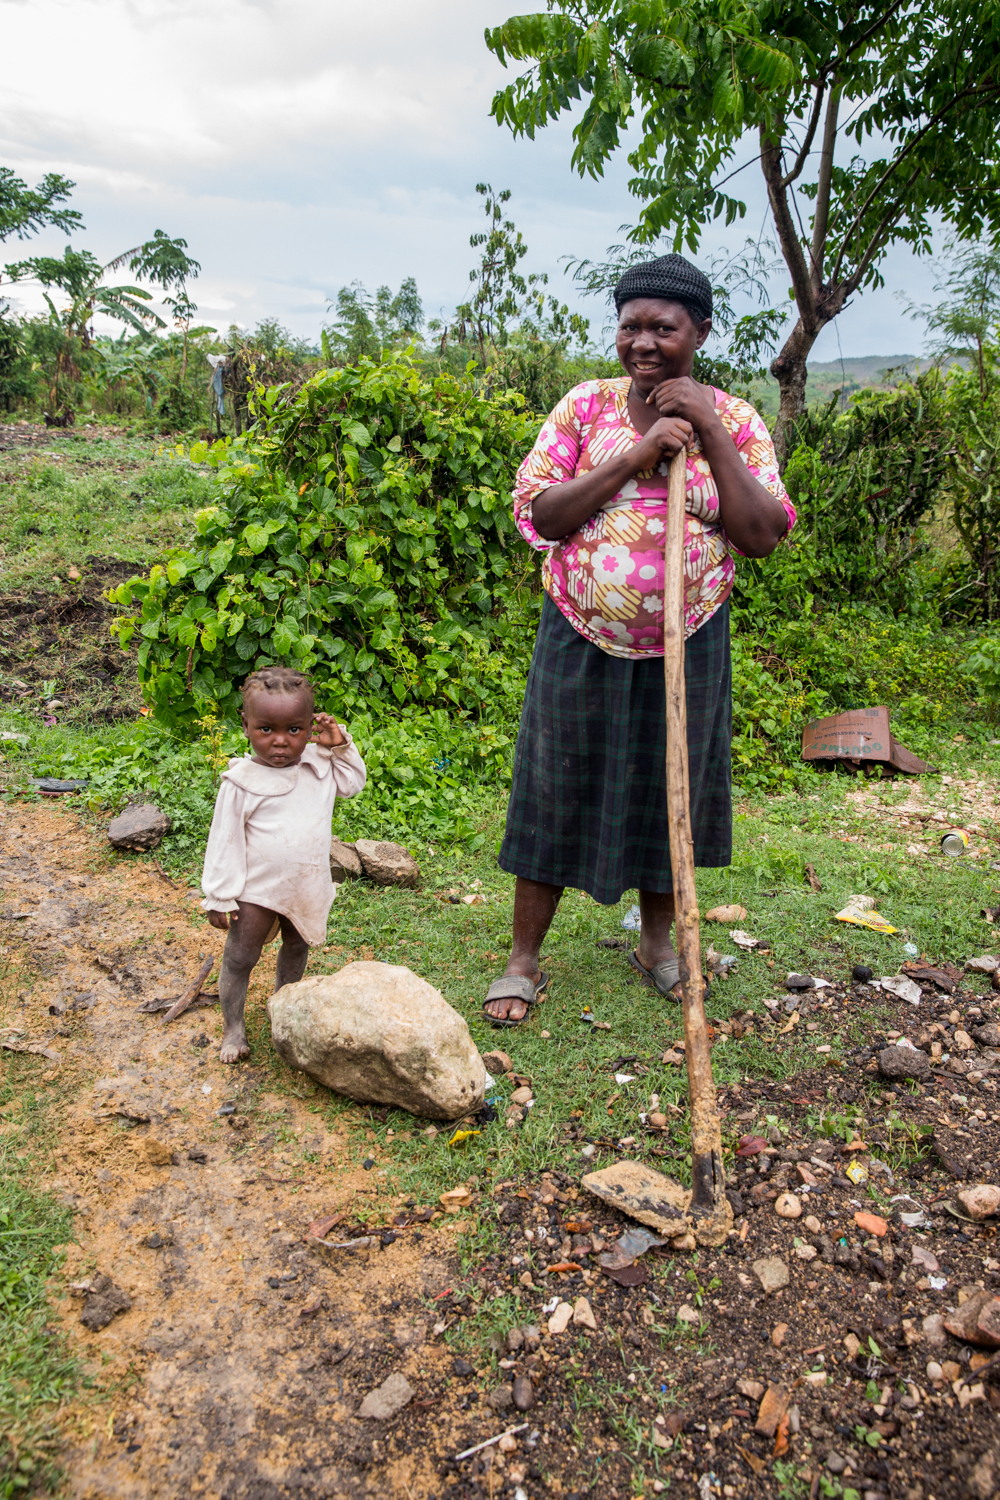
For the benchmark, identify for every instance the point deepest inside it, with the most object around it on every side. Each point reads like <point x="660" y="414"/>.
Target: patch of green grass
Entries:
<point x="459" y="948"/>
<point x="36" y="1371"/>
<point x="104" y="498"/>
<point x="481" y="1332"/>
<point x="906" y="1142"/>
<point x="843" y="1125"/>
<point x="791" y="1485"/>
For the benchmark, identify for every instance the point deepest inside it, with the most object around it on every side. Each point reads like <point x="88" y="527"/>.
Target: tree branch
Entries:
<point x="821" y="215"/>
<point x="830" y="68"/>
<point x="734" y="173"/>
<point x="877" y="240"/>
<point x="894" y="166"/>
<point x="802" y="157"/>
<point x="791" y="245"/>
<point x="873" y="28"/>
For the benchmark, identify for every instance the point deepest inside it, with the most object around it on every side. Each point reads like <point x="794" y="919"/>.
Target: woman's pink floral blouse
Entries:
<point x="607" y="577"/>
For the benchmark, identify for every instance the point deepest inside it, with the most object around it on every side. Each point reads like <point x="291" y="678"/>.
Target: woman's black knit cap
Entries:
<point x="670" y="277"/>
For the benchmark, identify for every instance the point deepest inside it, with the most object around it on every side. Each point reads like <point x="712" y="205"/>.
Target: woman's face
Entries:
<point x="657" y="340"/>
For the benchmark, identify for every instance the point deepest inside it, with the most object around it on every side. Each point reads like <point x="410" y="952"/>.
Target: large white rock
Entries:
<point x="381" y="1034"/>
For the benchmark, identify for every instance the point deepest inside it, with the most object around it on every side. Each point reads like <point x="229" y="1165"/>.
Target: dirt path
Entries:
<point x="238" y="1370"/>
<point x="244" y="1355"/>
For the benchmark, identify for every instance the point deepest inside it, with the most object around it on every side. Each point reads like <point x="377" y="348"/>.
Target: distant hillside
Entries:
<point x="867" y="369"/>
<point x="847" y="375"/>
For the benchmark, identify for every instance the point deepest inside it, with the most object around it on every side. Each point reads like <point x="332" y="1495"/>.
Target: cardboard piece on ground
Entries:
<point x="858" y="738"/>
<point x="642" y="1194"/>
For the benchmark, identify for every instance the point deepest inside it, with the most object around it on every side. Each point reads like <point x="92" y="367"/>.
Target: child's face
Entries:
<point x="278" y="726"/>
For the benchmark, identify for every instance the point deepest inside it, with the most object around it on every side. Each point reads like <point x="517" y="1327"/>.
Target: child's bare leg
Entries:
<point x="293" y="955"/>
<point x="248" y="930"/>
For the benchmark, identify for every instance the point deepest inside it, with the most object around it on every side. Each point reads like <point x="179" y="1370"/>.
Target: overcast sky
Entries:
<point x="302" y="144"/>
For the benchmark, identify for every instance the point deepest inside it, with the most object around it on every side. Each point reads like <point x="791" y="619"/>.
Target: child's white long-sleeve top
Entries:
<point x="270" y="837"/>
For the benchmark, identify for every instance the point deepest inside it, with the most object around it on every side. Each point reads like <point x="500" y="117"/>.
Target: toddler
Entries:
<point x="267" y="865"/>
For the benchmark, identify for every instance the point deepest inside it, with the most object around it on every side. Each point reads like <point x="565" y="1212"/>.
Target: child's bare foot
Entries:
<point x="234" y="1046"/>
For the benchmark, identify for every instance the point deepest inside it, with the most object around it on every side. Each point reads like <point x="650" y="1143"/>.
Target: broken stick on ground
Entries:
<point x="192" y="992"/>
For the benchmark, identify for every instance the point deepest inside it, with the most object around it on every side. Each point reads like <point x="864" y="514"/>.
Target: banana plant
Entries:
<point x="80" y="277"/>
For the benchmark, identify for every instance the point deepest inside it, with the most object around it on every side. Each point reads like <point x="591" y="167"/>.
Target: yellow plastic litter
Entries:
<point x="857" y="1172"/>
<point x="860" y="910"/>
<point x="463" y="1135"/>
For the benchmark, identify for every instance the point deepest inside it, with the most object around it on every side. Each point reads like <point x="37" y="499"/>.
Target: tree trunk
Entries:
<point x="789" y="369"/>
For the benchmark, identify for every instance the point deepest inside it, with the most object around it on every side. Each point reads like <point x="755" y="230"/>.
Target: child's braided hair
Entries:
<point x="278" y="680"/>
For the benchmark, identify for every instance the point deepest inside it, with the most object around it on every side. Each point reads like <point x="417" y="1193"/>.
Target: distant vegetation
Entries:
<point x="359" y="522"/>
<point x="165" y="372"/>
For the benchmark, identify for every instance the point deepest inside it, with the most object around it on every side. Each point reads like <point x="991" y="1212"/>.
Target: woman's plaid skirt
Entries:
<point x="588" y="804"/>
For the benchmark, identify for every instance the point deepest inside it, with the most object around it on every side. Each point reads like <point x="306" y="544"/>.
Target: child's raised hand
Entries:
<point x="327" y="732"/>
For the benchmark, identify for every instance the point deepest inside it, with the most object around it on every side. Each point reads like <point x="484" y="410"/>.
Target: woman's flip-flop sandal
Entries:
<point x="664" y="976"/>
<point x="514" y="987"/>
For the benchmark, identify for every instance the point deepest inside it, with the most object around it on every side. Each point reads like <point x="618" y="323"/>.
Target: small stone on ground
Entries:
<point x="104" y="1302"/>
<point x="523" y="1393"/>
<point x="903" y="1062"/>
<point x="345" y="861"/>
<point x="140" y="827"/>
<point x="386" y="1400"/>
<point x="771" y="1272"/>
<point x="387" y="864"/>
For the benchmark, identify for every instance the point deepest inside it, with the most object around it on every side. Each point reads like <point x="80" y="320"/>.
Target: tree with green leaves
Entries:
<point x="24" y="210"/>
<point x="16" y="379"/>
<point x="516" y="332"/>
<point x="499" y="290"/>
<point x="868" y="122"/>
<point x="80" y="277"/>
<point x="370" y="326"/>
<point x="969" y="316"/>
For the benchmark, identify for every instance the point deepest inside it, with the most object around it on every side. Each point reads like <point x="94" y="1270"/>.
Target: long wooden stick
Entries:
<point x="708" y="1196"/>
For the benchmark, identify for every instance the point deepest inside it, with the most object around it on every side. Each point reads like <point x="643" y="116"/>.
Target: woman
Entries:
<point x="588" y="802"/>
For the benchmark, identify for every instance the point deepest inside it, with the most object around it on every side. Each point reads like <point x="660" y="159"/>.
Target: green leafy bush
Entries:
<point x="824" y="663"/>
<point x="973" y="398"/>
<point x="771" y="702"/>
<point x="848" y="612"/>
<point x="982" y="667"/>
<point x="432" y="775"/>
<point x="862" y="481"/>
<point x="363" y="533"/>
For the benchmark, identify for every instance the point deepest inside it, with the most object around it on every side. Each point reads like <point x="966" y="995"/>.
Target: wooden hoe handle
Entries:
<point x="708" y="1197"/>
